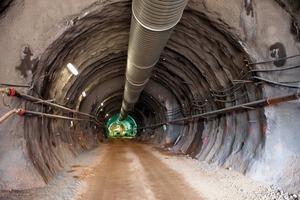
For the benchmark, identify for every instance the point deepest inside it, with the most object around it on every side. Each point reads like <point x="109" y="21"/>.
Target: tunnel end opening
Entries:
<point x="127" y="128"/>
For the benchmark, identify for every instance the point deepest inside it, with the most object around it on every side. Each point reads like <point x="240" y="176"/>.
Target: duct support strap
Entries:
<point x="152" y="23"/>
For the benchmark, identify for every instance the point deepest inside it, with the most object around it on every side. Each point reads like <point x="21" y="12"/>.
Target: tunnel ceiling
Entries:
<point x="201" y="58"/>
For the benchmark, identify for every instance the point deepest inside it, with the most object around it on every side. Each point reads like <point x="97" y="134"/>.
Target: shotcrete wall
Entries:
<point x="33" y="149"/>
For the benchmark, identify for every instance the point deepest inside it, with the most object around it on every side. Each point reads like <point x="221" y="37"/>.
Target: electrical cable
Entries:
<point x="289" y="82"/>
<point x="227" y="94"/>
<point x="273" y="70"/>
<point x="204" y="105"/>
<point x="266" y="70"/>
<point x="269" y="61"/>
<point x="23" y="112"/>
<point x="13" y="92"/>
<point x="239" y="97"/>
<point x="244" y="77"/>
<point x="254" y="104"/>
<point x="42" y="114"/>
<point x="276" y="83"/>
<point x="216" y="94"/>
<point x="6" y="105"/>
<point x="14" y="85"/>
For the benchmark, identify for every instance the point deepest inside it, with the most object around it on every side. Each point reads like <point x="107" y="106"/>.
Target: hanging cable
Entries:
<point x="274" y="70"/>
<point x="269" y="61"/>
<point x="228" y="93"/>
<point x="254" y="104"/>
<point x="238" y="97"/>
<point x="245" y="76"/>
<point x="275" y="83"/>
<point x="290" y="82"/>
<point x="23" y="112"/>
<point x="14" y="85"/>
<point x="13" y="92"/>
<point x="41" y="114"/>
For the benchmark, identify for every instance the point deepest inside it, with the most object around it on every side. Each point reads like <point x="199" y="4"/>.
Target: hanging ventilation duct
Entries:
<point x="152" y="23"/>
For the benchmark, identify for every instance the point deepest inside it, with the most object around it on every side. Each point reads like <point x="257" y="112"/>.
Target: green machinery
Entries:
<point x="124" y="129"/>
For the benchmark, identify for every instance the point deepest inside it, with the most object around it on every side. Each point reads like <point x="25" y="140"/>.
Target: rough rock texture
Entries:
<point x="206" y="65"/>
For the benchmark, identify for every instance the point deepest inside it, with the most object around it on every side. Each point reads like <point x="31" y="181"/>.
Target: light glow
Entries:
<point x="126" y="128"/>
<point x="84" y="94"/>
<point x="72" y="68"/>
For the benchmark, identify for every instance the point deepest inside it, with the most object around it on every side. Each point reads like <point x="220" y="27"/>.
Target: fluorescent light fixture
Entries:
<point x="84" y="94"/>
<point x="72" y="68"/>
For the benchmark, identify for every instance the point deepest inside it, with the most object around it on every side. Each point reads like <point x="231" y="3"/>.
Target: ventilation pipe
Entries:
<point x="152" y="23"/>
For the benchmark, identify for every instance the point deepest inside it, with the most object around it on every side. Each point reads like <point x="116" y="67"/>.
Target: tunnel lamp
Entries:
<point x="72" y="68"/>
<point x="102" y="104"/>
<point x="164" y="128"/>
<point x="84" y="94"/>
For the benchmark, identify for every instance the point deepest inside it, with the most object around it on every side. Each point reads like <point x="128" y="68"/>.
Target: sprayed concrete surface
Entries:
<point x="215" y="59"/>
<point x="127" y="169"/>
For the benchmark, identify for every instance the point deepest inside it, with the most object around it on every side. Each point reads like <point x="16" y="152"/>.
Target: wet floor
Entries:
<point x="128" y="171"/>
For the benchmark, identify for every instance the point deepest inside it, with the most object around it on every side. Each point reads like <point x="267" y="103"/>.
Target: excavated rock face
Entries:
<point x="211" y="61"/>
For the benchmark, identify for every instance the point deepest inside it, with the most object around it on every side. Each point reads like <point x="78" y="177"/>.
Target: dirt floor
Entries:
<point x="127" y="169"/>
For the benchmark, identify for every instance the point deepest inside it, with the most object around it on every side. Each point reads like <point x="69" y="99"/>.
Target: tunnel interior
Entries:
<point x="124" y="129"/>
<point x="214" y="59"/>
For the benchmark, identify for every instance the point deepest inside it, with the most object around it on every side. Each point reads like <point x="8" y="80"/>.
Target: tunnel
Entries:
<point x="124" y="129"/>
<point x="224" y="89"/>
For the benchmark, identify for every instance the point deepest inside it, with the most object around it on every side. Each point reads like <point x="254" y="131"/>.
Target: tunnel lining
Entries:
<point x="204" y="67"/>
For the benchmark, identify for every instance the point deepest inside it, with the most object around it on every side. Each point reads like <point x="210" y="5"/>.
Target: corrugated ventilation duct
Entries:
<point x="152" y="23"/>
